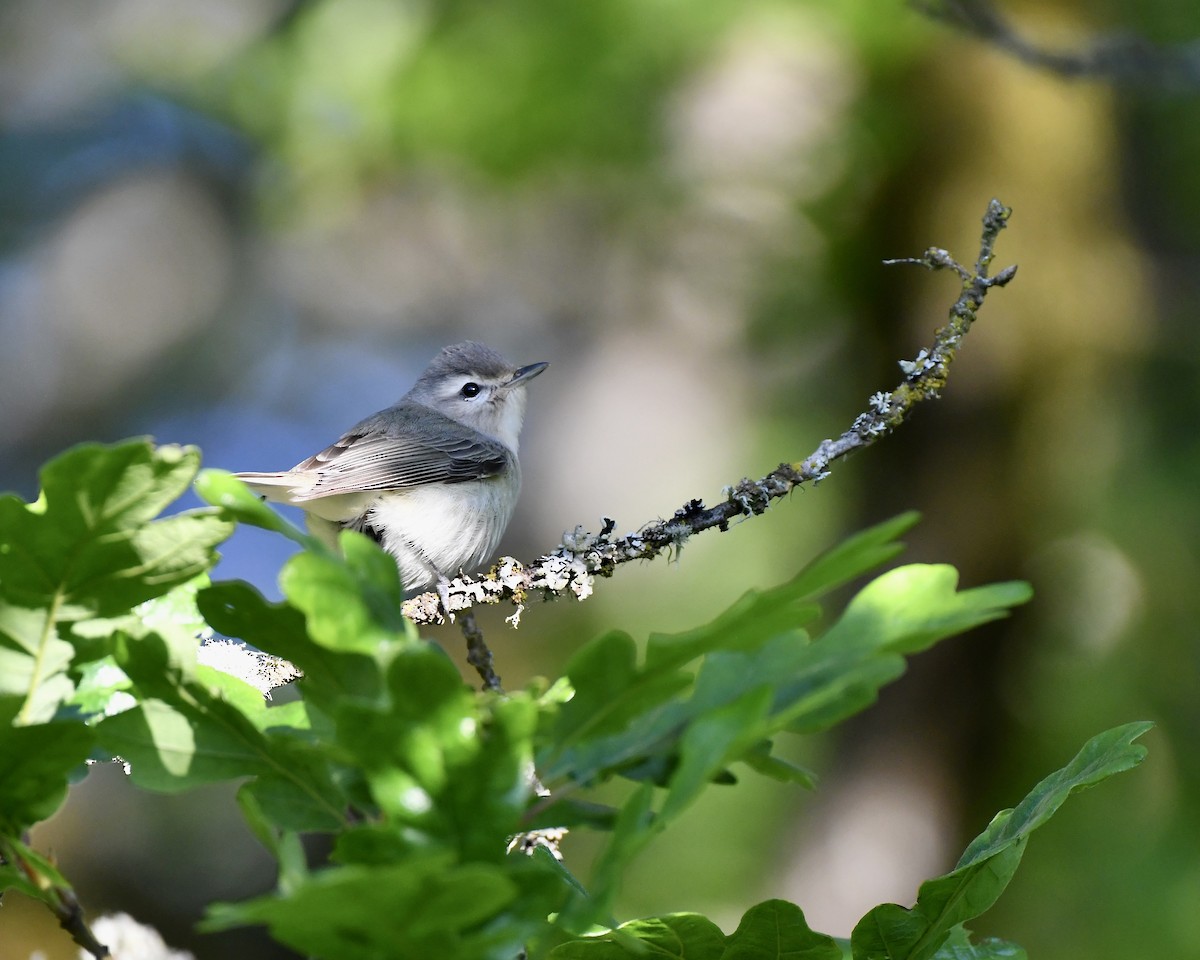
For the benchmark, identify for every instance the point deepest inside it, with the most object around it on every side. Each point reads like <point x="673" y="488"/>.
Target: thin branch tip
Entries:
<point x="581" y="557"/>
<point x="1001" y="279"/>
<point x="997" y="210"/>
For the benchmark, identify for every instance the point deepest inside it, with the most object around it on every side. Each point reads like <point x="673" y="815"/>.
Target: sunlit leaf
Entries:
<point x="426" y="907"/>
<point x="76" y="563"/>
<point x="222" y="489"/>
<point x="890" y="932"/>
<point x="912" y="607"/>
<point x="677" y="936"/>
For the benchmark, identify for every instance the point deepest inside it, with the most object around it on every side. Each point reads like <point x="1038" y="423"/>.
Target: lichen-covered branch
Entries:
<point x="573" y="565"/>
<point x="1125" y="58"/>
<point x="478" y="654"/>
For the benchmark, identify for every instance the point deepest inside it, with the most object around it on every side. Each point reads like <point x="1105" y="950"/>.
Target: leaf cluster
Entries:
<point x="422" y="785"/>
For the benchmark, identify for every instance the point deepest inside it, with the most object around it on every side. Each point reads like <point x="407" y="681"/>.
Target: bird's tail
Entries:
<point x="273" y="486"/>
<point x="300" y="490"/>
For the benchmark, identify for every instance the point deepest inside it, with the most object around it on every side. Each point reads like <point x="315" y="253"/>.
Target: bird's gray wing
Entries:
<point x="402" y="446"/>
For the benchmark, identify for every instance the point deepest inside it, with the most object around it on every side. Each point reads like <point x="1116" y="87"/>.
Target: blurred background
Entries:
<point x="246" y="224"/>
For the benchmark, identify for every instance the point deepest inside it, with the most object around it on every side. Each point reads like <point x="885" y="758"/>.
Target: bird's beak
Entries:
<point x="526" y="373"/>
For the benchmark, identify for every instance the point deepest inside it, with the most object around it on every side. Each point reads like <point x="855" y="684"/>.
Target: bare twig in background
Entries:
<point x="573" y="566"/>
<point x="1119" y="58"/>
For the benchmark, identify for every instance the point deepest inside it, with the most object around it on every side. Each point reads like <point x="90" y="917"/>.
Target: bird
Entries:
<point x="433" y="478"/>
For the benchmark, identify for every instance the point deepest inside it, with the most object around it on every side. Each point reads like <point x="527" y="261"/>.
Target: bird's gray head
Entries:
<point x="471" y="383"/>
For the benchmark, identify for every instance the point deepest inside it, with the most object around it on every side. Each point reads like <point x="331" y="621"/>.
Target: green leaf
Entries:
<point x="835" y="688"/>
<point x="633" y="829"/>
<point x="168" y="552"/>
<point x="376" y="844"/>
<point x="440" y="760"/>
<point x="263" y="829"/>
<point x="910" y="608"/>
<point x="958" y="946"/>
<point x="33" y="665"/>
<point x="222" y="489"/>
<point x="1102" y="756"/>
<point x="631" y="720"/>
<point x="570" y="812"/>
<point x="756" y="616"/>
<point x="378" y="579"/>
<point x="610" y="691"/>
<point x="331" y="677"/>
<point x="295" y="717"/>
<point x="301" y="796"/>
<point x="777" y="930"/>
<point x="284" y="846"/>
<point x="104" y="688"/>
<point x="677" y="936"/>
<point x="75" y="563"/>
<point x="175" y="617"/>
<point x="90" y="546"/>
<point x="171" y="747"/>
<point x="489" y="783"/>
<point x="856" y="555"/>
<point x="761" y="760"/>
<point x="620" y="711"/>
<point x="559" y="867"/>
<point x="760" y="614"/>
<point x="430" y="710"/>
<point x="23" y="868"/>
<point x="344" y="610"/>
<point x="890" y="932"/>
<point x="194" y="737"/>
<point x="35" y="762"/>
<point x="808" y="684"/>
<point x="236" y="609"/>
<point x="426" y="907"/>
<point x="352" y="602"/>
<point x="712" y="742"/>
<point x="171" y="620"/>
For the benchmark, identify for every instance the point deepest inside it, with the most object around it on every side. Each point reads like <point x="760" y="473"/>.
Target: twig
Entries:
<point x="581" y="557"/>
<point x="1124" y="59"/>
<point x="70" y="917"/>
<point x="56" y="893"/>
<point x="478" y="654"/>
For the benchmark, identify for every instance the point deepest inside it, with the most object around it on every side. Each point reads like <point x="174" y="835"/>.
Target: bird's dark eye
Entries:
<point x="470" y="390"/>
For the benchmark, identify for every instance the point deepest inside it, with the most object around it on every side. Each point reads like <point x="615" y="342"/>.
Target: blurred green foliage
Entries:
<point x="424" y="786"/>
<point x="1064" y="451"/>
<point x="353" y="87"/>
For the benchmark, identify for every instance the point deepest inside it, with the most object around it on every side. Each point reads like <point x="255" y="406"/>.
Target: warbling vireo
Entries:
<point x="433" y="479"/>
